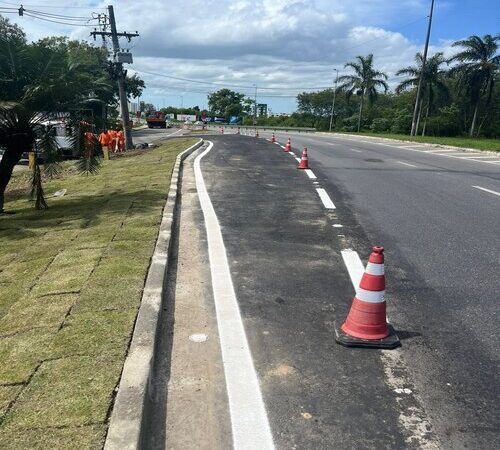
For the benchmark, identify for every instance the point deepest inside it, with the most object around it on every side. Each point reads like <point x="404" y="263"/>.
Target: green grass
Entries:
<point x="464" y="142"/>
<point x="71" y="280"/>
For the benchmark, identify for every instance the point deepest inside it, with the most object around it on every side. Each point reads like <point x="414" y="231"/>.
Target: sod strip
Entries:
<point x="71" y="281"/>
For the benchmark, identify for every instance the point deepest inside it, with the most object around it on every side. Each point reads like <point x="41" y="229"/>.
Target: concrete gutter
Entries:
<point x="130" y="410"/>
<point x="427" y="144"/>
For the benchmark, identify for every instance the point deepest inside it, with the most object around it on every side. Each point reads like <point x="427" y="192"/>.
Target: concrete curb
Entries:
<point x="427" y="144"/>
<point x="131" y="404"/>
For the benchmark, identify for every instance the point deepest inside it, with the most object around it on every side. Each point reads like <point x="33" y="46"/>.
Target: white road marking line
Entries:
<point x="406" y="164"/>
<point x="310" y="174"/>
<point x="337" y="225"/>
<point x="476" y="156"/>
<point x="487" y="190"/>
<point x="298" y="159"/>
<point x="325" y="198"/>
<point x="282" y="146"/>
<point x="354" y="266"/>
<point x="249" y="421"/>
<point x="484" y="157"/>
<point x="331" y="143"/>
<point x="357" y="151"/>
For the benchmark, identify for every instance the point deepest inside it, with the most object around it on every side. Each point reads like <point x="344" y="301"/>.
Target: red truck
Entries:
<point x="157" y="120"/>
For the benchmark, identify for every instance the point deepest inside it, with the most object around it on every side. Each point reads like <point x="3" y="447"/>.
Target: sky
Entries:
<point x="189" y="48"/>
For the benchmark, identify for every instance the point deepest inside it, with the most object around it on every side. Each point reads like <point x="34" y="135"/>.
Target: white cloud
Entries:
<point x="273" y="43"/>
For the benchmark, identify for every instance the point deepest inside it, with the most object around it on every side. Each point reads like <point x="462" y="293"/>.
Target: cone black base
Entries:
<point x="389" y="342"/>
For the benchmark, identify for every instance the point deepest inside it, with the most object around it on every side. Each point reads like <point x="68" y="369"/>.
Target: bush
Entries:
<point x="401" y="124"/>
<point x="380" y="125"/>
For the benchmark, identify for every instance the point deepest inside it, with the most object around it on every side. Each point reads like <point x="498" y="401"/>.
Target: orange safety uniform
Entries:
<point x="112" y="140"/>
<point x="121" y="141"/>
<point x="104" y="139"/>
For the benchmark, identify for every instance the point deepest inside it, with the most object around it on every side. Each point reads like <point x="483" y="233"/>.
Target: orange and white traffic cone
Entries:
<point x="256" y="133"/>
<point x="288" y="146"/>
<point x="366" y="324"/>
<point x="304" y="161"/>
<point x="273" y="139"/>
<point x="221" y="130"/>
<point x="238" y="132"/>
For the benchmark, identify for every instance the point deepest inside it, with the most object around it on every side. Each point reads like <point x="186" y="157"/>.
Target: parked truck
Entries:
<point x="157" y="120"/>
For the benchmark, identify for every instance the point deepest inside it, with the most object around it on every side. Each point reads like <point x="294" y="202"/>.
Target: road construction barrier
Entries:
<point x="304" y="161"/>
<point x="366" y="324"/>
<point x="288" y="146"/>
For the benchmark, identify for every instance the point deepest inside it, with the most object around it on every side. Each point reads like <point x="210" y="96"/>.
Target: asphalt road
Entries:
<point x="430" y="209"/>
<point x="153" y="135"/>
<point x="437" y="216"/>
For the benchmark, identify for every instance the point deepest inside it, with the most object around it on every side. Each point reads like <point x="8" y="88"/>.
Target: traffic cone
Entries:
<point x="304" y="162"/>
<point x="288" y="146"/>
<point x="366" y="324"/>
<point x="273" y="139"/>
<point x="256" y="133"/>
<point x="221" y="130"/>
<point x="238" y="132"/>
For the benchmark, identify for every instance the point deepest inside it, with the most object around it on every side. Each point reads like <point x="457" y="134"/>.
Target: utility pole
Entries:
<point x="334" y="95"/>
<point x="120" y="72"/>
<point x="419" y="87"/>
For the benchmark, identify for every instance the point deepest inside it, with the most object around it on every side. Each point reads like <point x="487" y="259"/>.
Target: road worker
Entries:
<point x="112" y="140"/>
<point x="121" y="141"/>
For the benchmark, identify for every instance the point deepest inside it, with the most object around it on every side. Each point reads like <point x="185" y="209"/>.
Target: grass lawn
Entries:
<point x="476" y="143"/>
<point x="71" y="279"/>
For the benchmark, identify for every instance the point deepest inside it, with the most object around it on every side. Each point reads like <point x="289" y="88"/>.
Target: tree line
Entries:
<point x="460" y="95"/>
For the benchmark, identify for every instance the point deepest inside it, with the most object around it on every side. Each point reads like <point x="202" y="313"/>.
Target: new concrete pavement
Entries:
<point x="285" y="250"/>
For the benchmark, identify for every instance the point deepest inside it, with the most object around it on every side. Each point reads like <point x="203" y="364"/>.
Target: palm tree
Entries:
<point x="477" y="68"/>
<point x="38" y="82"/>
<point x="365" y="81"/>
<point x="433" y="83"/>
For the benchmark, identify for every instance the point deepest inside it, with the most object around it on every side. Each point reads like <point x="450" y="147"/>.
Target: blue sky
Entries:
<point x="281" y="46"/>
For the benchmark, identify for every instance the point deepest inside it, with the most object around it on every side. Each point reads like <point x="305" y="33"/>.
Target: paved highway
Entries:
<point x="437" y="212"/>
<point x="154" y="135"/>
<point x="277" y="250"/>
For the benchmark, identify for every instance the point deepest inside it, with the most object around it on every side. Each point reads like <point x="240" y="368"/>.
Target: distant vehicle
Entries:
<point x="157" y="120"/>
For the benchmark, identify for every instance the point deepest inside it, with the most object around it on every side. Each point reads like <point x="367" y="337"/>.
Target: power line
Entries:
<point x="57" y="21"/>
<point x="52" y="6"/>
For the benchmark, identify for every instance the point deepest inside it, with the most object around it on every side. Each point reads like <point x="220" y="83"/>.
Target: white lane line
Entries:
<point x="325" y="198"/>
<point x="292" y="154"/>
<point x="310" y="174"/>
<point x="337" y="225"/>
<point x="249" y="421"/>
<point x="331" y="143"/>
<point x="354" y="266"/>
<point x="487" y="190"/>
<point x="357" y="151"/>
<point x="178" y="131"/>
<point x="282" y="146"/>
<point x="406" y="164"/>
<point x="298" y="159"/>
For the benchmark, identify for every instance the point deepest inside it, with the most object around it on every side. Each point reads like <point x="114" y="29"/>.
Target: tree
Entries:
<point x="433" y="83"/>
<point x="365" y="81"/>
<point x="477" y="68"/>
<point x="39" y="82"/>
<point x="226" y="103"/>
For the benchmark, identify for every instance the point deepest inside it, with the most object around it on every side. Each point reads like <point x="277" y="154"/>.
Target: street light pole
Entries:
<point x="419" y="87"/>
<point x="255" y="108"/>
<point x="334" y="95"/>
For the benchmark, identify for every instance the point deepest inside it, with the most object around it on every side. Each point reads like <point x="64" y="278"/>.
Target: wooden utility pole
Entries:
<point x="120" y="72"/>
<point x="414" y="123"/>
